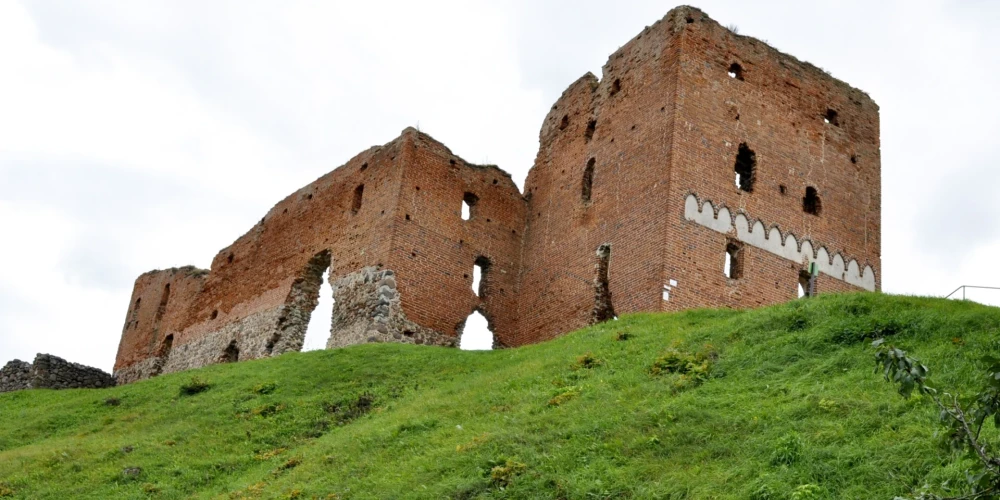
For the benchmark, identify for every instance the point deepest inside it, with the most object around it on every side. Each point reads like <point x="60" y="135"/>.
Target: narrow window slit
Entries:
<point x="587" y="184"/>
<point x="733" y="267"/>
<point x="745" y="168"/>
<point x="359" y="193"/>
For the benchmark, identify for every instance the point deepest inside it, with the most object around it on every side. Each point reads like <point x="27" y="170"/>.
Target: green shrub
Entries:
<point x="194" y="386"/>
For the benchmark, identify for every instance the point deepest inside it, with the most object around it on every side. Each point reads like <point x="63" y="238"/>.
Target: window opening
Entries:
<point x="745" y="168"/>
<point x="474" y="334"/>
<point x="479" y="272"/>
<point x="359" y="193"/>
<point x="733" y="268"/>
<point x="806" y="286"/>
<point x="811" y="204"/>
<point x="564" y="123"/>
<point x="587" y="185"/>
<point x="469" y="201"/>
<point x="616" y="86"/>
<point x="603" y="307"/>
<point x="831" y="117"/>
<point x="736" y="71"/>
<point x="591" y="128"/>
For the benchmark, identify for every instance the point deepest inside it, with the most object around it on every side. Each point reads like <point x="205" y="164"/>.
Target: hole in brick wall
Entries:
<point x="285" y="211"/>
<point x="564" y="123"/>
<point x="297" y="325"/>
<point x="231" y="354"/>
<point x="494" y="181"/>
<point x="451" y="162"/>
<point x="215" y="314"/>
<point x="616" y="86"/>
<point x="782" y="189"/>
<point x="364" y="166"/>
<point x="591" y="128"/>
<point x="831" y="117"/>
<point x="418" y="188"/>
<point x="603" y="307"/>
<point x="413" y="254"/>
<point x="805" y="284"/>
<point x="318" y="331"/>
<point x="308" y="197"/>
<point x="733" y="267"/>
<point x="469" y="201"/>
<point x="854" y="159"/>
<point x="689" y="19"/>
<point x="137" y="302"/>
<point x="513" y="231"/>
<point x="736" y="71"/>
<point x="474" y="334"/>
<point x="745" y="168"/>
<point x="587" y="183"/>
<point x="166" y="346"/>
<point x="408" y="333"/>
<point x="230" y="258"/>
<point x="407" y="216"/>
<point x="162" y="308"/>
<point x="359" y="194"/>
<point x="480" y="273"/>
<point x="811" y="204"/>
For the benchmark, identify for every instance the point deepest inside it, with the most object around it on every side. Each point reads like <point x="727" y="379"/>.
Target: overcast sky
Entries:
<point x="137" y="135"/>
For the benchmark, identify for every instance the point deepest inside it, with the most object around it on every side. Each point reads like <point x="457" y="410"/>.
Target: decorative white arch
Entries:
<point x="755" y="234"/>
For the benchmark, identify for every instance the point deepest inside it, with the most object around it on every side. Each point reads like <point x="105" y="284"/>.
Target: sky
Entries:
<point x="149" y="134"/>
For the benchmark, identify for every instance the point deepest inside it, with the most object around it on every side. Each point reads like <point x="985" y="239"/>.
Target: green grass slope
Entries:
<point x="780" y="402"/>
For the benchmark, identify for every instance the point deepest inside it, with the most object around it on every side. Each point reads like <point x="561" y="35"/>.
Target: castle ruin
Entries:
<point x="706" y="169"/>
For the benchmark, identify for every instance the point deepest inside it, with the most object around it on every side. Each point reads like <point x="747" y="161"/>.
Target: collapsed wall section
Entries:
<point x="51" y="372"/>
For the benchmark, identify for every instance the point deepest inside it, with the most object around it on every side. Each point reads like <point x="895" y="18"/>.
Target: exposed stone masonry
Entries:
<point x="51" y="372"/>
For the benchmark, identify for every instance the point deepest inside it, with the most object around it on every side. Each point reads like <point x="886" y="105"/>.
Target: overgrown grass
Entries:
<point x="776" y="403"/>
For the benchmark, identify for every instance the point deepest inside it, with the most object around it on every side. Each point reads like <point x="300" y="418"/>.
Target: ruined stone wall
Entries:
<point x="15" y="376"/>
<point x="51" y="372"/>
<point x="434" y="250"/>
<point x="805" y="129"/>
<point x="695" y="146"/>
<point x="258" y="297"/>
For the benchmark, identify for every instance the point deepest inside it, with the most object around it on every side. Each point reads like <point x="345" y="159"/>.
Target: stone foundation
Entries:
<point x="51" y="372"/>
<point x="368" y="309"/>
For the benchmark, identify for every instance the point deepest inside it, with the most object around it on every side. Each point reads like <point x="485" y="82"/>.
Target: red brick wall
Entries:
<point x="778" y="110"/>
<point x="434" y="251"/>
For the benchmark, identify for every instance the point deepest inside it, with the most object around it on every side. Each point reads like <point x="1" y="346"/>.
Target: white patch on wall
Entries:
<point x="772" y="241"/>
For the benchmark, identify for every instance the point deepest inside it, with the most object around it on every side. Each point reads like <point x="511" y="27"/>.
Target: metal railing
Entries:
<point x="963" y="287"/>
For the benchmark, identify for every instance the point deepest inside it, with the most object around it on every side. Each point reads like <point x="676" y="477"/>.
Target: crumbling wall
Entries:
<point x="686" y="110"/>
<point x="15" y="375"/>
<point x="367" y="308"/>
<point x="51" y="372"/>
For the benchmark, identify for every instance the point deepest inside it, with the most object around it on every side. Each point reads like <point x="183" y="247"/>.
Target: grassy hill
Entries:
<point x="779" y="402"/>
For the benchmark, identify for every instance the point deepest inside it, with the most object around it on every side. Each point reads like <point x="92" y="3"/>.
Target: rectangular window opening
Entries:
<point x="733" y="267"/>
